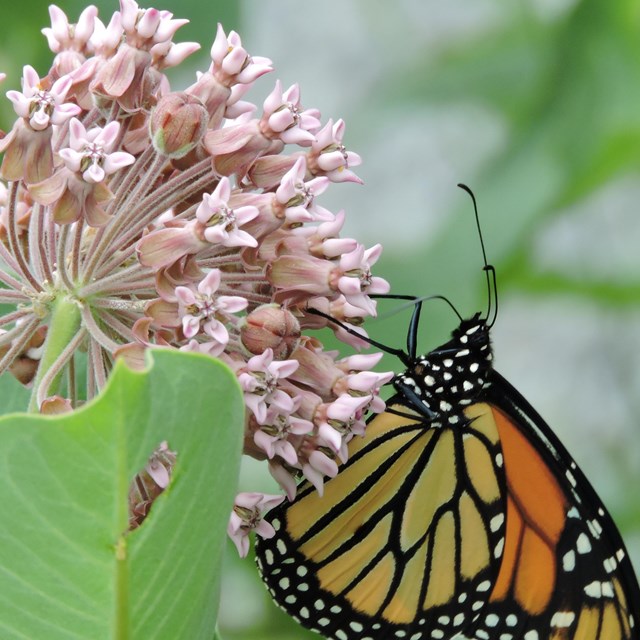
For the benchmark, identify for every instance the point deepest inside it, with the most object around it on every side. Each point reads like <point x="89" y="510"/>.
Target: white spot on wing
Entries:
<point x="562" y="619"/>
<point x="583" y="543"/>
<point x="496" y="522"/>
<point x="569" y="561"/>
<point x="492" y="620"/>
<point x="594" y="589"/>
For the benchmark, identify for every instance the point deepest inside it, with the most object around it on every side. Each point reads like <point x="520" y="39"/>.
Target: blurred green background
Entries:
<point x="534" y="104"/>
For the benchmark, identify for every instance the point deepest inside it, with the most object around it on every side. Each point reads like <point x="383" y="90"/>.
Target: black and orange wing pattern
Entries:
<point x="459" y="516"/>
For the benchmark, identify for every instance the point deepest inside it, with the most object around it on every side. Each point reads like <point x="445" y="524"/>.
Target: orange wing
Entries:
<point x="410" y="525"/>
<point x="465" y="532"/>
<point x="559" y="575"/>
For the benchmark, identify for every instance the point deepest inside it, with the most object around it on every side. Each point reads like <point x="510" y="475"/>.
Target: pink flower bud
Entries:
<point x="271" y="327"/>
<point x="177" y="124"/>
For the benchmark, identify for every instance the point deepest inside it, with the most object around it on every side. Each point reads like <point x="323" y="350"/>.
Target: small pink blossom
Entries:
<point x="205" y="308"/>
<point x="284" y="116"/>
<point x="324" y="241"/>
<point x="90" y="152"/>
<point x="259" y="381"/>
<point x="317" y="467"/>
<point x="329" y="157"/>
<point x="42" y="108"/>
<point x="274" y="437"/>
<point x="357" y="281"/>
<point x="341" y="419"/>
<point x="106" y="39"/>
<point x="165" y="246"/>
<point x="247" y="514"/>
<point x="283" y="478"/>
<point x="366" y="383"/>
<point x="63" y="36"/>
<point x="153" y="30"/>
<point x="232" y="64"/>
<point x="221" y="222"/>
<point x="298" y="196"/>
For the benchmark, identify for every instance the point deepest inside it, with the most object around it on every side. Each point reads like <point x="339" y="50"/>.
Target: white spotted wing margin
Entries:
<point x="358" y="563"/>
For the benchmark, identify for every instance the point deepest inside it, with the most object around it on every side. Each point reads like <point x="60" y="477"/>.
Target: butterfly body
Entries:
<point x="459" y="516"/>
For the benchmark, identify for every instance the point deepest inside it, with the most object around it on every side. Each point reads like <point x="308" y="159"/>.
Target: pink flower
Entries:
<point x="221" y="222"/>
<point x="329" y="157"/>
<point x="284" y="116"/>
<point x="70" y="42"/>
<point x="167" y="245"/>
<point x="247" y="516"/>
<point x="63" y="35"/>
<point x="274" y="437"/>
<point x="298" y="196"/>
<point x="259" y="381"/>
<point x="324" y="240"/>
<point x="39" y="107"/>
<point x="153" y="30"/>
<point x="283" y="478"/>
<point x="28" y="153"/>
<point x="318" y="466"/>
<point x="232" y="64"/>
<point x="357" y="281"/>
<point x="342" y="419"/>
<point x="90" y="152"/>
<point x="204" y="308"/>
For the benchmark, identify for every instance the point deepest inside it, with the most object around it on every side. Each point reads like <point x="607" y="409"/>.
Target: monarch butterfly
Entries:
<point x="460" y="515"/>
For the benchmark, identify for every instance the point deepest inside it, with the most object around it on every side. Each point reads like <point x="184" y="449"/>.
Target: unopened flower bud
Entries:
<point x="177" y="124"/>
<point x="271" y="327"/>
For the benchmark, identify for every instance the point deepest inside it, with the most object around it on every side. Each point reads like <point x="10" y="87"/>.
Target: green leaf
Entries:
<point x="68" y="569"/>
<point x="13" y="395"/>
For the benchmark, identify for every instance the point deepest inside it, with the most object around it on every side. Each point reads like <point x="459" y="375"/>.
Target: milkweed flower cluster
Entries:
<point x="134" y="216"/>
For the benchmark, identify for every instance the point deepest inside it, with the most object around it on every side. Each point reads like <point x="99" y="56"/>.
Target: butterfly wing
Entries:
<point x="459" y="515"/>
<point x="409" y="528"/>
<point x="565" y="572"/>
<point x="489" y="531"/>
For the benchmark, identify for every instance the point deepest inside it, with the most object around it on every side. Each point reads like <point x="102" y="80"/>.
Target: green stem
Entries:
<point x="63" y="326"/>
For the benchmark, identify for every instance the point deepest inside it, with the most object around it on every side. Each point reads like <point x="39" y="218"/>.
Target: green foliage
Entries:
<point x="567" y="90"/>
<point x="13" y="395"/>
<point x="68" y="567"/>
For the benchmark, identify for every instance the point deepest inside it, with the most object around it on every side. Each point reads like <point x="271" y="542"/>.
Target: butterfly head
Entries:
<point x="441" y="383"/>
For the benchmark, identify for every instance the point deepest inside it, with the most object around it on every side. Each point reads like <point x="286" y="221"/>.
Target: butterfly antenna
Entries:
<point x="489" y="269"/>
<point x="398" y="353"/>
<point x="416" y="302"/>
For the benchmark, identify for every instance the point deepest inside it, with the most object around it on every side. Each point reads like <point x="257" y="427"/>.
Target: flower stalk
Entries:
<point x="63" y="326"/>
